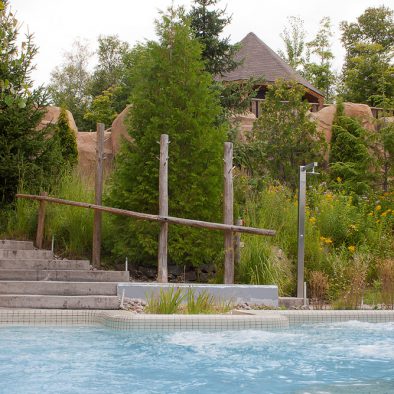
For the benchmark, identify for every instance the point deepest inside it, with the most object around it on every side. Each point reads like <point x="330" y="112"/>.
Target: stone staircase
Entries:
<point x="33" y="278"/>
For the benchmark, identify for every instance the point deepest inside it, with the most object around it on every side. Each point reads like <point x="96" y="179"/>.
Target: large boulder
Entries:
<point x="325" y="117"/>
<point x="52" y="115"/>
<point x="119" y="130"/>
<point x="87" y="142"/>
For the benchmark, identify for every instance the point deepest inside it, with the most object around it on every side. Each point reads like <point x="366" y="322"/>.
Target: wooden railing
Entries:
<point x="228" y="228"/>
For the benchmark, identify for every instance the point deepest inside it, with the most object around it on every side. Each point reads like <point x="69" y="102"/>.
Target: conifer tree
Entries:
<point x="171" y="95"/>
<point x="350" y="160"/>
<point x="26" y="154"/>
<point x="67" y="139"/>
<point x="207" y="25"/>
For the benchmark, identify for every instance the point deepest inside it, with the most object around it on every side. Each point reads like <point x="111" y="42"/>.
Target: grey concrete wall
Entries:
<point x="237" y="294"/>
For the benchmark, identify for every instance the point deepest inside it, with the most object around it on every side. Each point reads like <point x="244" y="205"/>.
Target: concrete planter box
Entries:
<point x="237" y="294"/>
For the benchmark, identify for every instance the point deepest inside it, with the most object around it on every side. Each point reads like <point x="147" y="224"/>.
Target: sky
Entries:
<point x="57" y="23"/>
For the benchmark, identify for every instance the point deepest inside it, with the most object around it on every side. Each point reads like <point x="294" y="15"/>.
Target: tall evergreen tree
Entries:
<point x="207" y="26"/>
<point x="171" y="94"/>
<point x="26" y="154"/>
<point x="67" y="139"/>
<point x="350" y="160"/>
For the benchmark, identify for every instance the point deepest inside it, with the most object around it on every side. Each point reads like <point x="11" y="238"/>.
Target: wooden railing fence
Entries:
<point x="228" y="227"/>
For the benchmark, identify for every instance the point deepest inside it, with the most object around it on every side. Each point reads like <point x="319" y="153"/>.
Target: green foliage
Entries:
<point x="283" y="136"/>
<point x="168" y="301"/>
<point x="294" y="40"/>
<point x="102" y="109"/>
<point x="202" y="303"/>
<point x="67" y="139"/>
<point x="72" y="227"/>
<point x="320" y="73"/>
<point x="70" y="82"/>
<point x="385" y="147"/>
<point x="368" y="69"/>
<point x="207" y="25"/>
<point x="26" y="154"/>
<point x="171" y="94"/>
<point x="350" y="160"/>
<point x="110" y="68"/>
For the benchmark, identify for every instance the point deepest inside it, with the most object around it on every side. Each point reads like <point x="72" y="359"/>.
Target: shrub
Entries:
<point x="386" y="276"/>
<point x="318" y="288"/>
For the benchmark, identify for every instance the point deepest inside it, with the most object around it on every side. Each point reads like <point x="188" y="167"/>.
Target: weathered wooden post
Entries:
<point x="162" y="270"/>
<point x="237" y="244"/>
<point x="96" y="249"/>
<point x="41" y="221"/>
<point x="228" y="213"/>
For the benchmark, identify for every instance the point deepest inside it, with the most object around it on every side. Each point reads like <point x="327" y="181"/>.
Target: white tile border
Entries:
<point x="124" y="320"/>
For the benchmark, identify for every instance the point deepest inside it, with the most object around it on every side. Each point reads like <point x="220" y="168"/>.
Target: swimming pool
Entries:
<point x="345" y="357"/>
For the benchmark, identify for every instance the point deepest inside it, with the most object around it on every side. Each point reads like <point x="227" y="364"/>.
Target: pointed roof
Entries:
<point x="258" y="59"/>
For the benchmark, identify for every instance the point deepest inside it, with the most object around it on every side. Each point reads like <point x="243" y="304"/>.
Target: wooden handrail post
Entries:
<point x="41" y="221"/>
<point x="162" y="270"/>
<point x="228" y="213"/>
<point x="237" y="244"/>
<point x="96" y="247"/>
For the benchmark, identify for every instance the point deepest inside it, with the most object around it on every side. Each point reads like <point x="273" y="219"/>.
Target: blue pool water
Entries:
<point x="351" y="357"/>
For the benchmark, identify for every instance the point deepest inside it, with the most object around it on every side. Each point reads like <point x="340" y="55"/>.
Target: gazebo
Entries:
<point x="259" y="60"/>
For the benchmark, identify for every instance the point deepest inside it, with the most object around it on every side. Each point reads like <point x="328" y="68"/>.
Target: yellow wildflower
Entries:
<point x="353" y="226"/>
<point x="370" y="214"/>
<point x="339" y="179"/>
<point x="328" y="241"/>
<point x="351" y="248"/>
<point x="377" y="221"/>
<point x="384" y="214"/>
<point x="378" y="207"/>
<point x="312" y="220"/>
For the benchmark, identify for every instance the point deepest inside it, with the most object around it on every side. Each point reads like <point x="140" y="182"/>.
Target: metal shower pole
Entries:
<point x="301" y="226"/>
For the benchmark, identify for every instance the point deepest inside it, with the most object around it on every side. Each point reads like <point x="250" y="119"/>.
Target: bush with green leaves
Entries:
<point x="171" y="95"/>
<point x="283" y="137"/>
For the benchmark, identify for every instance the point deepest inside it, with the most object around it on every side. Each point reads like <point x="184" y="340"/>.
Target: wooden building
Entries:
<point x="259" y="60"/>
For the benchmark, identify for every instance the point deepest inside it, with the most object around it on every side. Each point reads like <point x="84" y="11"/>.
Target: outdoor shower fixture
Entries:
<point x="307" y="169"/>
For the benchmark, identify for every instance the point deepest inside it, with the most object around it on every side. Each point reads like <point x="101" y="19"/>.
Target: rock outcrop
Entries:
<point x="325" y="117"/>
<point x="86" y="142"/>
<point x="52" y="115"/>
<point x="119" y="130"/>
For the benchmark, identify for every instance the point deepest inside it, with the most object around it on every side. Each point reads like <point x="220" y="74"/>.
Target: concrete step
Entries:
<point x="44" y="264"/>
<point x="11" y="244"/>
<point x="64" y="275"/>
<point x="6" y="254"/>
<point x="58" y="288"/>
<point x="58" y="302"/>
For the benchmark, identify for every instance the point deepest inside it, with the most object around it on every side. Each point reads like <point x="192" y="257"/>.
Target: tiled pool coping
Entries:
<point x="123" y="320"/>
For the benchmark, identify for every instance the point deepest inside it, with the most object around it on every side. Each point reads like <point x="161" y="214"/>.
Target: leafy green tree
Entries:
<point x="319" y="72"/>
<point x="110" y="71"/>
<point x="350" y="159"/>
<point x="102" y="109"/>
<point x="172" y="95"/>
<point x="27" y="155"/>
<point x="67" y="139"/>
<point x="293" y="38"/>
<point x="70" y="82"/>
<point x="283" y="137"/>
<point x="207" y="26"/>
<point x="367" y="75"/>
